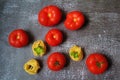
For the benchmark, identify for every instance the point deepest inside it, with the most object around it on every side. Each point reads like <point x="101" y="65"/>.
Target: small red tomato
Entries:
<point x="18" y="38"/>
<point x="56" y="61"/>
<point x="49" y="15"/>
<point x="96" y="63"/>
<point x="74" y="20"/>
<point x="54" y="37"/>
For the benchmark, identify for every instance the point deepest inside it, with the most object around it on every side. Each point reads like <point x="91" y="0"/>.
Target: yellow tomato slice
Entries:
<point x="76" y="53"/>
<point x="32" y="66"/>
<point x="38" y="48"/>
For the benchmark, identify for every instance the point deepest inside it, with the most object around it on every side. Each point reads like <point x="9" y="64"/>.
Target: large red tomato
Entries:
<point x="96" y="63"/>
<point x="74" y="20"/>
<point x="49" y="15"/>
<point x="56" y="61"/>
<point x="54" y="37"/>
<point x="18" y="38"/>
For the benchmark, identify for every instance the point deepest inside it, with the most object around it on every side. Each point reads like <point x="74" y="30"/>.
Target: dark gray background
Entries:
<point x="101" y="33"/>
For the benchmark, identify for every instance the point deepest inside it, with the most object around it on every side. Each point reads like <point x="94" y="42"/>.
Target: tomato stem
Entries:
<point x="99" y="64"/>
<point x="57" y="63"/>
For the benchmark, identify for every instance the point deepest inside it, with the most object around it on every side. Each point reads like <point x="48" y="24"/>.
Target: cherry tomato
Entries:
<point x="74" y="20"/>
<point x="18" y="38"/>
<point x="49" y="15"/>
<point x="54" y="37"/>
<point x="97" y="63"/>
<point x="56" y="61"/>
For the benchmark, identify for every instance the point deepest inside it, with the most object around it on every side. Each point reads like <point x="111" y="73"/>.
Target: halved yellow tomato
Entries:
<point x="38" y="48"/>
<point x="76" y="53"/>
<point x="32" y="66"/>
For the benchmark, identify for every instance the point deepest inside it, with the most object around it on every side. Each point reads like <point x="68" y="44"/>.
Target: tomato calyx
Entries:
<point x="57" y="63"/>
<point x="99" y="64"/>
<point x="39" y="50"/>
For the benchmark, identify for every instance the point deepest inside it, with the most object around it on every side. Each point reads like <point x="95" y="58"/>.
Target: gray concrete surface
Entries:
<point x="101" y="33"/>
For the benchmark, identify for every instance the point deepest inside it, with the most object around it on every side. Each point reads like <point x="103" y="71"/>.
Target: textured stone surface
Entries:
<point x="100" y="34"/>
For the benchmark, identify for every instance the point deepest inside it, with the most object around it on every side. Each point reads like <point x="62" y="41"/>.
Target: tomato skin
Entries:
<point x="74" y="20"/>
<point x="18" y="38"/>
<point x="49" y="15"/>
<point x="54" y="58"/>
<point x="97" y="63"/>
<point x="54" y="37"/>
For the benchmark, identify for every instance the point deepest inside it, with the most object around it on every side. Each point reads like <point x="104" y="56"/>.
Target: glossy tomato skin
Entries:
<point x="74" y="20"/>
<point x="97" y="63"/>
<point x="56" y="61"/>
<point x="18" y="38"/>
<point x="49" y="15"/>
<point x="54" y="37"/>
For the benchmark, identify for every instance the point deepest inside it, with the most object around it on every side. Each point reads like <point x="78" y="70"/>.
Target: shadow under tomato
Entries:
<point x="31" y="36"/>
<point x="109" y="61"/>
<point x="63" y="16"/>
<point x="108" y="57"/>
<point x="47" y="47"/>
<point x="86" y="21"/>
<point x="67" y="59"/>
<point x="84" y="53"/>
<point x="64" y="36"/>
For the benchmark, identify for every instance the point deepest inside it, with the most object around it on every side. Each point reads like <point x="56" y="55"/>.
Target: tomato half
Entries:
<point x="97" y="63"/>
<point x="56" y="61"/>
<point x="54" y="37"/>
<point x="18" y="38"/>
<point x="74" y="20"/>
<point x="49" y="15"/>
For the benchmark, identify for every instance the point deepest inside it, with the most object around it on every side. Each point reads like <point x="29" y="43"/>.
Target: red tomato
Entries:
<point x="18" y="38"/>
<point x="56" y="61"/>
<point x="96" y="63"/>
<point x="74" y="20"/>
<point x="54" y="37"/>
<point x="49" y="15"/>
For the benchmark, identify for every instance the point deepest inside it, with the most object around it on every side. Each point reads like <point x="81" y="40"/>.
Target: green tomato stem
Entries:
<point x="99" y="64"/>
<point x="57" y="63"/>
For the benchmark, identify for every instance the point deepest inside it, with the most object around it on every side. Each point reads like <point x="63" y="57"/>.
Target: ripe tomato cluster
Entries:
<point x="50" y="16"/>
